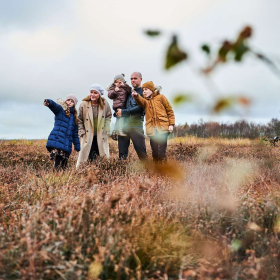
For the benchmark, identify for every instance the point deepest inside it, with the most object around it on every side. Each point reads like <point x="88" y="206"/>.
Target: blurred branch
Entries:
<point x="268" y="62"/>
<point x="229" y="50"/>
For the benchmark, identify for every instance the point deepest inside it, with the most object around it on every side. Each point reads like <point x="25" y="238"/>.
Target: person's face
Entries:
<point x="70" y="103"/>
<point x="94" y="95"/>
<point x="147" y="92"/>
<point x="118" y="82"/>
<point x="136" y="80"/>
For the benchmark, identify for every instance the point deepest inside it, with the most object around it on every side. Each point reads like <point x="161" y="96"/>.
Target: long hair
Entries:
<point x="101" y="101"/>
<point x="67" y="110"/>
<point x="67" y="113"/>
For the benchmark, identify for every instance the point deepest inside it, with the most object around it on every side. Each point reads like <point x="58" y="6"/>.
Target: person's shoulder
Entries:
<point x="111" y="86"/>
<point x="139" y="90"/>
<point x="126" y="86"/>
<point x="161" y="96"/>
<point x="104" y="100"/>
<point x="85" y="101"/>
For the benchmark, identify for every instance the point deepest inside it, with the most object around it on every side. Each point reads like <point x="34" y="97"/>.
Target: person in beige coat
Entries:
<point x="94" y="123"/>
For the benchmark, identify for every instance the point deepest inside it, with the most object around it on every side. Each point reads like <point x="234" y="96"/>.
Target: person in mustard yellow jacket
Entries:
<point x="160" y="118"/>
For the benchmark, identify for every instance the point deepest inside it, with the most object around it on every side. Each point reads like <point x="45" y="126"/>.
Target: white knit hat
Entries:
<point x="97" y="88"/>
<point x="73" y="97"/>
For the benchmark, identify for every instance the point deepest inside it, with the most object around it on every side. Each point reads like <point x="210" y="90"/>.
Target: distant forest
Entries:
<point x="238" y="129"/>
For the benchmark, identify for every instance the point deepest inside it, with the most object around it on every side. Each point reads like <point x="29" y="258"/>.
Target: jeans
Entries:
<point x="138" y="140"/>
<point x="159" y="145"/>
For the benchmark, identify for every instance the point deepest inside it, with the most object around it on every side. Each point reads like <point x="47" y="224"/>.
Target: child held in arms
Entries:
<point x="119" y="91"/>
<point x="160" y="118"/>
<point x="65" y="131"/>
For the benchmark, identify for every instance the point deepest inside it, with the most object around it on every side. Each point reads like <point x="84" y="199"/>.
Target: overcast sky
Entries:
<point x="49" y="49"/>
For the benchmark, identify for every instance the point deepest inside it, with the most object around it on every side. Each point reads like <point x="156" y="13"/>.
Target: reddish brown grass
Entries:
<point x="212" y="212"/>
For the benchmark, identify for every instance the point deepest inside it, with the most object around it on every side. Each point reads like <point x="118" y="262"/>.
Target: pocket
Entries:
<point x="165" y="119"/>
<point x="163" y="123"/>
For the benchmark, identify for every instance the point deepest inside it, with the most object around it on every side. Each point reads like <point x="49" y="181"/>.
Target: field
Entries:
<point x="211" y="212"/>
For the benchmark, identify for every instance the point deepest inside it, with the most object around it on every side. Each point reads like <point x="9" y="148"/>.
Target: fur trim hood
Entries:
<point x="66" y="109"/>
<point x="62" y="104"/>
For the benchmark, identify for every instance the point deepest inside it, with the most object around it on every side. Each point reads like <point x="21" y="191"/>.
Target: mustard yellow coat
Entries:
<point x="158" y="111"/>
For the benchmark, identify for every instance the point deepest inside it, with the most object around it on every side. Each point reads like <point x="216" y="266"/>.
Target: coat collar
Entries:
<point x="153" y="95"/>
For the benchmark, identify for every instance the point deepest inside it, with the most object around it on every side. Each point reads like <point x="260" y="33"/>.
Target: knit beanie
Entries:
<point x="97" y="88"/>
<point x="150" y="85"/>
<point x="119" y="77"/>
<point x="73" y="97"/>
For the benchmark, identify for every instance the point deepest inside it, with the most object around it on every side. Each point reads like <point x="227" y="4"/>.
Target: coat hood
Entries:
<point x="155" y="93"/>
<point x="62" y="104"/>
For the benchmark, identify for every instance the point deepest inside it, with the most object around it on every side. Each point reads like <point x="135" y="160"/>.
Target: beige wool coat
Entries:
<point x="86" y="128"/>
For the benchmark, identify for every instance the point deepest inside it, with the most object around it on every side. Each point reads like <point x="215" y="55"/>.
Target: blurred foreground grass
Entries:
<point x="212" y="212"/>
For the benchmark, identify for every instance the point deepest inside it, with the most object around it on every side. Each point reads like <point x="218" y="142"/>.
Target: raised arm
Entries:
<point x="112" y="94"/>
<point x="81" y="126"/>
<point x="140" y="100"/>
<point x="53" y="106"/>
<point x="133" y="111"/>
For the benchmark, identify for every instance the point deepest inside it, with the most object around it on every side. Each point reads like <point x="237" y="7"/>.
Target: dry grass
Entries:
<point x="193" y="140"/>
<point x="212" y="212"/>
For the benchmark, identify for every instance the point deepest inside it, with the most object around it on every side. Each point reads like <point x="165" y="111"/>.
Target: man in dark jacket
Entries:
<point x="134" y="115"/>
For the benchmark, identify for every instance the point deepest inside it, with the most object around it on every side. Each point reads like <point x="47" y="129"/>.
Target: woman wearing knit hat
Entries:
<point x="160" y="118"/>
<point x="94" y="124"/>
<point x="65" y="131"/>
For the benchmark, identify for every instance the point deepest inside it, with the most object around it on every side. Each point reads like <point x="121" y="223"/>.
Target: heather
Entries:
<point x="210" y="212"/>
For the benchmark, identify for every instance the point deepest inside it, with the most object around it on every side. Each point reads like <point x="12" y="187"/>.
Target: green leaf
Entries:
<point x="223" y="104"/>
<point x="152" y="33"/>
<point x="206" y="49"/>
<point x="224" y="50"/>
<point x="181" y="98"/>
<point x="239" y="49"/>
<point x="174" y="54"/>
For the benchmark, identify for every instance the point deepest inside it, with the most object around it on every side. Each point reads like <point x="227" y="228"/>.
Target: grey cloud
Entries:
<point x="20" y="14"/>
<point x="94" y="52"/>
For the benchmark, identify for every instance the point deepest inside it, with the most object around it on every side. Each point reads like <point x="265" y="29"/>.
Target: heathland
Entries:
<point x="210" y="212"/>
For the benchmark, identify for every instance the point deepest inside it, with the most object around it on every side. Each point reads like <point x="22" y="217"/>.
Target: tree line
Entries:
<point x="238" y="129"/>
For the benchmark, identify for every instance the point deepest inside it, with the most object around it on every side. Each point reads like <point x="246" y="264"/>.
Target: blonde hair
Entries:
<point x="67" y="113"/>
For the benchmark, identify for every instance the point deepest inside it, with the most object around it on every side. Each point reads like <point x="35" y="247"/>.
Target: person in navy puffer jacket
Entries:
<point x="65" y="131"/>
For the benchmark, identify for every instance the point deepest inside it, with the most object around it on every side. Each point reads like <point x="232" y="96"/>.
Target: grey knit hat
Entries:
<point x="121" y="77"/>
<point x="73" y="97"/>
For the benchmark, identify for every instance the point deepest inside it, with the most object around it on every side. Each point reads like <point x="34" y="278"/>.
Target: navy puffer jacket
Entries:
<point x="65" y="131"/>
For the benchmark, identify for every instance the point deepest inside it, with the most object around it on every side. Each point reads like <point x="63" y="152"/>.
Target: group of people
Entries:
<point x="88" y="128"/>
